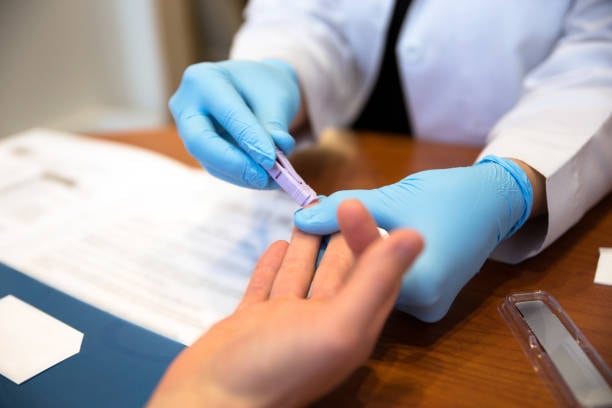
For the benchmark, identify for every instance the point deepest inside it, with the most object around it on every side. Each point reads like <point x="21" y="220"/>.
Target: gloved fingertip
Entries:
<point x="302" y="214"/>
<point x="267" y="162"/>
<point x="301" y="219"/>
<point x="256" y="178"/>
<point x="281" y="138"/>
<point x="263" y="153"/>
<point x="313" y="221"/>
<point x="311" y="210"/>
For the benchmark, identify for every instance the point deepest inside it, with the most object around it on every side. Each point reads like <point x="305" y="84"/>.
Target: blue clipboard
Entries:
<point x="119" y="364"/>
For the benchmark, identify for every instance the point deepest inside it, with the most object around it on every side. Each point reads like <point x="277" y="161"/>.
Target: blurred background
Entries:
<point x="103" y="65"/>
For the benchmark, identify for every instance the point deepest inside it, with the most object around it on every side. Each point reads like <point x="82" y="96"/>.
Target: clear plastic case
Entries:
<point x="558" y="351"/>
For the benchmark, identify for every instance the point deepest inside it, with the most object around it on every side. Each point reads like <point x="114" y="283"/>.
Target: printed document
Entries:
<point x="141" y="236"/>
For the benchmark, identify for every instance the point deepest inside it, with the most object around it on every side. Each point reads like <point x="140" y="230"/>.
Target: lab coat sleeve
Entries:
<point x="332" y="45"/>
<point x="562" y="127"/>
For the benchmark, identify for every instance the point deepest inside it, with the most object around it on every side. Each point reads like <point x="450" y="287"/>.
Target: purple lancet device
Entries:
<point x="286" y="177"/>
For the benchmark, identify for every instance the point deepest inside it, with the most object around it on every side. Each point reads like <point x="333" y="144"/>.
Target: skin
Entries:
<point x="297" y="332"/>
<point x="538" y="184"/>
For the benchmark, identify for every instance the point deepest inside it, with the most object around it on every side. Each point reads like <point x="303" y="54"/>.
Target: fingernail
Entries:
<point x="303" y="213"/>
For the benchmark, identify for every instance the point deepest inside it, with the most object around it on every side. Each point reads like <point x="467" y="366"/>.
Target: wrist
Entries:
<point x="300" y="119"/>
<point x="538" y="185"/>
<point x="202" y="394"/>
<point x="523" y="187"/>
<point x="190" y="382"/>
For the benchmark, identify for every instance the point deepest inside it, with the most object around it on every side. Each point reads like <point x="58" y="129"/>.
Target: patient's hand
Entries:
<point x="283" y="348"/>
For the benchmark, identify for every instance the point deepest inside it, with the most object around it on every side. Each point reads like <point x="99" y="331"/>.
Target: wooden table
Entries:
<point x="469" y="358"/>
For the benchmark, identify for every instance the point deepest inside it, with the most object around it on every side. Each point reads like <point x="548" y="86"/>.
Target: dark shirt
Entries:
<point x="385" y="109"/>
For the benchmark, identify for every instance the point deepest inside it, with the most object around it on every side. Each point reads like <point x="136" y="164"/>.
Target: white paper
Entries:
<point x="146" y="238"/>
<point x="603" y="274"/>
<point x="31" y="341"/>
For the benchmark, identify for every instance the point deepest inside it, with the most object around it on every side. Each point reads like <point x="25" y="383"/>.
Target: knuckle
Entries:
<point x="428" y="297"/>
<point x="259" y="285"/>
<point x="195" y="70"/>
<point x="241" y="130"/>
<point x="198" y="73"/>
<point x="172" y="105"/>
<point x="340" y="262"/>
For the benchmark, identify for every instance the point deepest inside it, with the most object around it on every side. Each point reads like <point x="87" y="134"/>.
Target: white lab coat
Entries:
<point x="530" y="79"/>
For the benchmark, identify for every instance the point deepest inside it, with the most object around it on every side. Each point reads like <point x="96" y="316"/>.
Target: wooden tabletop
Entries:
<point x="470" y="357"/>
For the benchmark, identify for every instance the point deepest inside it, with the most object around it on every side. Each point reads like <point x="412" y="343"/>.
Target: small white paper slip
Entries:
<point x="603" y="273"/>
<point x="32" y="341"/>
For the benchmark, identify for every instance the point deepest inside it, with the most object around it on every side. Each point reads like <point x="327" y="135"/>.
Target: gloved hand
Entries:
<point x="230" y="115"/>
<point x="462" y="213"/>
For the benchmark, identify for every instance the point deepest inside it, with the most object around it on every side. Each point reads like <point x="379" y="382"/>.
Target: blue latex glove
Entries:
<point x="462" y="213"/>
<point x="231" y="114"/>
